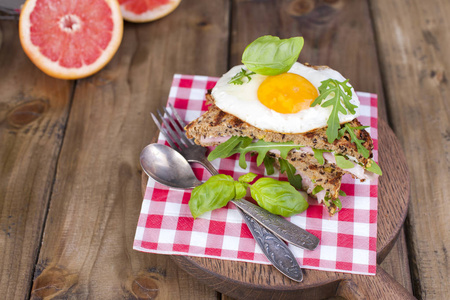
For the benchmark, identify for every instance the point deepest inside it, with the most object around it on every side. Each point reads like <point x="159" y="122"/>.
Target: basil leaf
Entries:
<point x="268" y="164"/>
<point x="278" y="197"/>
<point x="318" y="154"/>
<point x="270" y="55"/>
<point x="343" y="163"/>
<point x="249" y="177"/>
<point x="240" y="189"/>
<point x="294" y="180"/>
<point x="216" y="192"/>
<point x="317" y="189"/>
<point x="374" y="168"/>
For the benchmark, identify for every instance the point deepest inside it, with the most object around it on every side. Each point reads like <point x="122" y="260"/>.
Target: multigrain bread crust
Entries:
<point x="217" y="123"/>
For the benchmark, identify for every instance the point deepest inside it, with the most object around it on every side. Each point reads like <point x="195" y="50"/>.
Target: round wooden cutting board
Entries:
<point x="255" y="281"/>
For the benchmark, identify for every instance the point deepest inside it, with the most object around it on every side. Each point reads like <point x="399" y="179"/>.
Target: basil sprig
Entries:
<point x="278" y="197"/>
<point x="216" y="192"/>
<point x="270" y="55"/>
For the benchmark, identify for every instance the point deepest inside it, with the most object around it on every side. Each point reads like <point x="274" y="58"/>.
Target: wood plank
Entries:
<point x="414" y="56"/>
<point x="33" y="114"/>
<point x="396" y="263"/>
<point x="87" y="247"/>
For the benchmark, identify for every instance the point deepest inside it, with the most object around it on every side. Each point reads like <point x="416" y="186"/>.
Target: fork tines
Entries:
<point x="172" y="130"/>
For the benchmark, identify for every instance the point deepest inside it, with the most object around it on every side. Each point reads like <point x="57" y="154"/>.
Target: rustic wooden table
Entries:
<point x="69" y="172"/>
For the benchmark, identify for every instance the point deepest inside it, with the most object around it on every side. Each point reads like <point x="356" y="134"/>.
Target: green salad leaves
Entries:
<point x="270" y="55"/>
<point x="277" y="197"/>
<point x="337" y="94"/>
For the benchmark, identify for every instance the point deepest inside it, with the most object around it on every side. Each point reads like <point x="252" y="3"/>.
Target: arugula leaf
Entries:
<point x="278" y="197"/>
<point x="318" y="154"/>
<point x="270" y="55"/>
<point x="374" y="168"/>
<point x="216" y="192"/>
<point x="294" y="180"/>
<point x="354" y="138"/>
<point x="262" y="147"/>
<point x="268" y="164"/>
<point x="227" y="148"/>
<point x="238" y="78"/>
<point x="317" y="189"/>
<point x="338" y="204"/>
<point x="342" y="162"/>
<point x="342" y="193"/>
<point x="337" y="94"/>
<point x="243" y="145"/>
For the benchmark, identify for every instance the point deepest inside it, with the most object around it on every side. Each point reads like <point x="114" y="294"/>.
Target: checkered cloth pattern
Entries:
<point x="347" y="240"/>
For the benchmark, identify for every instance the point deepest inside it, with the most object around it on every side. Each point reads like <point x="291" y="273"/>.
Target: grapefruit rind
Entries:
<point x="150" y="15"/>
<point x="52" y="68"/>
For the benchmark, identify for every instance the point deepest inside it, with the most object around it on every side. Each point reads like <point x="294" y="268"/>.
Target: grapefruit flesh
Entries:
<point x="146" y="10"/>
<point x="70" y="39"/>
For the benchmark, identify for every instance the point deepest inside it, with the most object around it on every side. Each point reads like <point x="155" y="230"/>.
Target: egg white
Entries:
<point x="242" y="102"/>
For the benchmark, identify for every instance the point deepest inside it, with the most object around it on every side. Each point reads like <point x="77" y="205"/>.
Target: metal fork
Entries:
<point x="277" y="225"/>
<point x="187" y="147"/>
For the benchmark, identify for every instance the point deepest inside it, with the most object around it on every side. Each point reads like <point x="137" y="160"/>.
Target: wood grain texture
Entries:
<point x="396" y="262"/>
<point x="87" y="246"/>
<point x="415" y="62"/>
<point x="33" y="114"/>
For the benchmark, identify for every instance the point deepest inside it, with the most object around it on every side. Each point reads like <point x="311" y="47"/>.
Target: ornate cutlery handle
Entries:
<point x="276" y="251"/>
<point x="279" y="226"/>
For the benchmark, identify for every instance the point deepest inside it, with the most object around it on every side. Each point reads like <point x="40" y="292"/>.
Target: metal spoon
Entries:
<point x="170" y="168"/>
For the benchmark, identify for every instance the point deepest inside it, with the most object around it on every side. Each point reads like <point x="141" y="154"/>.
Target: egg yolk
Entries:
<point x="287" y="93"/>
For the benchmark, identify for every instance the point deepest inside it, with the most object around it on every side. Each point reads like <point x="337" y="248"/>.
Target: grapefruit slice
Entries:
<point x="140" y="11"/>
<point x="70" y="39"/>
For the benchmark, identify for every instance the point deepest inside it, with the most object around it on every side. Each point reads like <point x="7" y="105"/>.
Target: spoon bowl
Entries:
<point x="168" y="167"/>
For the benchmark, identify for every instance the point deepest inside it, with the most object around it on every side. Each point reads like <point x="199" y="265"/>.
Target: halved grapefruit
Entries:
<point x="70" y="39"/>
<point x="140" y="11"/>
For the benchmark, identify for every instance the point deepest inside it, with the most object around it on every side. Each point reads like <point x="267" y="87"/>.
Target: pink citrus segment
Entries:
<point x="146" y="10"/>
<point x="70" y="39"/>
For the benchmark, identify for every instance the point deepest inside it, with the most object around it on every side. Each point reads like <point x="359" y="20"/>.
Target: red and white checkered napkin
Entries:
<point x="347" y="240"/>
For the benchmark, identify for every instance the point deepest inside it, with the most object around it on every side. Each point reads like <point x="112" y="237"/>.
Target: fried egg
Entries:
<point x="280" y="103"/>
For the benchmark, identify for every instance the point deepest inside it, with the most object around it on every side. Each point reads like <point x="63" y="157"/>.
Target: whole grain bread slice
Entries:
<point x="217" y="123"/>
